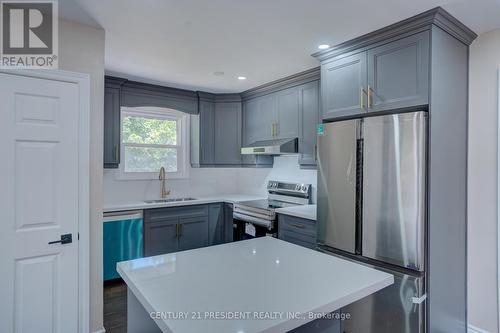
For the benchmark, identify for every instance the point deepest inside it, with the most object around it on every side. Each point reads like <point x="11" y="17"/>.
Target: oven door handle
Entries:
<point x="255" y="220"/>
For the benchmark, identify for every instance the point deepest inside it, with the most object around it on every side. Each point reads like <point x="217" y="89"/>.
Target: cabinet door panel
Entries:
<point x="342" y="81"/>
<point x="309" y="119"/>
<point x="160" y="237"/>
<point x="215" y="224"/>
<point x="398" y="73"/>
<point x="258" y="116"/>
<point x="287" y="113"/>
<point x="207" y="124"/>
<point x="228" y="223"/>
<point x="111" y="128"/>
<point x="227" y="133"/>
<point x="193" y="233"/>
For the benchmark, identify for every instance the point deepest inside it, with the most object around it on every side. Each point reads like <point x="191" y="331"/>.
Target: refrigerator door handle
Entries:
<point x="359" y="196"/>
<point x="419" y="300"/>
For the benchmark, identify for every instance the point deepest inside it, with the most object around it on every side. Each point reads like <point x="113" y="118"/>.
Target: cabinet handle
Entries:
<point x="272" y="129"/>
<point x="316" y="152"/>
<point x="369" y="91"/>
<point x="361" y="99"/>
<point x="362" y="93"/>
<point x="176" y="231"/>
<point x="277" y="129"/>
<point x="298" y="226"/>
<point x="180" y="230"/>
<point x="116" y="153"/>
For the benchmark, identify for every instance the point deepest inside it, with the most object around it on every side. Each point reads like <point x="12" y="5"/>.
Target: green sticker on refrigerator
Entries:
<point x="320" y="130"/>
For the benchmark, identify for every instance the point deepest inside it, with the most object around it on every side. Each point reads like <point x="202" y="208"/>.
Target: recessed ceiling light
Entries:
<point x="241" y="78"/>
<point x="219" y="73"/>
<point x="323" y="46"/>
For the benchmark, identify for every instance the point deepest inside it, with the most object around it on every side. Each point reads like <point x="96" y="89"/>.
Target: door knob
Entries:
<point x="65" y="239"/>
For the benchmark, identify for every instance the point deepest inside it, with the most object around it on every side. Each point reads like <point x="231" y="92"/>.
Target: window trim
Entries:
<point x="182" y="146"/>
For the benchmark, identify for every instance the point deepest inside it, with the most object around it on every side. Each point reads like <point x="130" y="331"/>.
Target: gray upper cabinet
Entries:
<point x="273" y="116"/>
<point x="219" y="140"/>
<point x="207" y="127"/>
<point x="309" y="119"/>
<point x="342" y="82"/>
<point x="286" y="114"/>
<point x="292" y="112"/>
<point x="393" y="75"/>
<point x="398" y="73"/>
<point x="227" y="133"/>
<point x="258" y="120"/>
<point x="112" y="99"/>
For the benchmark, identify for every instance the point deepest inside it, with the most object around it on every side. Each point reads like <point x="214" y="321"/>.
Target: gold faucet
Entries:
<point x="163" y="177"/>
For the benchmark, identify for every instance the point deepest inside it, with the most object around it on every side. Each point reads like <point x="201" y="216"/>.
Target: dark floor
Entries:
<point x="115" y="306"/>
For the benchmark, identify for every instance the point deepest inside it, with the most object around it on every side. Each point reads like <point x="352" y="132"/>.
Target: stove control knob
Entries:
<point x="304" y="188"/>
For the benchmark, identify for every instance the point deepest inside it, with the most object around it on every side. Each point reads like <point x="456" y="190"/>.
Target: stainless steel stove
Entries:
<point x="259" y="216"/>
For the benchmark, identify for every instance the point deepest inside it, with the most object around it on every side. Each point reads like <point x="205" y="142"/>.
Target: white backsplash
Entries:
<point x="209" y="181"/>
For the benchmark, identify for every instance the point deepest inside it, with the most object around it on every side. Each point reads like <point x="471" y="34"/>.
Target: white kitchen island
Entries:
<point x="257" y="285"/>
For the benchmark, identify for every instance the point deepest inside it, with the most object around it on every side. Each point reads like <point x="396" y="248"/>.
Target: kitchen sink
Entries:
<point x="168" y="200"/>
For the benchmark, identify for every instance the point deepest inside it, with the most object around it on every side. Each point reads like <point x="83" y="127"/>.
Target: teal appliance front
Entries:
<point x="123" y="238"/>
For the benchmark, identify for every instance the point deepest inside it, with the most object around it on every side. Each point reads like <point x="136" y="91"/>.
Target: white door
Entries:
<point x="39" y="202"/>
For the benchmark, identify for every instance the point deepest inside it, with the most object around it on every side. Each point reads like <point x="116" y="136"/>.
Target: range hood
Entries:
<point x="272" y="147"/>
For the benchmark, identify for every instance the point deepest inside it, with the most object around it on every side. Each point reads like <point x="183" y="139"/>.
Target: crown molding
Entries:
<point x="424" y="21"/>
<point x="306" y="76"/>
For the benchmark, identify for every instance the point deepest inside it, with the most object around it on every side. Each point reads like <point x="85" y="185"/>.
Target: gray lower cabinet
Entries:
<point x="193" y="232"/>
<point x="398" y="73"/>
<point x="228" y="223"/>
<point x="175" y="228"/>
<point x="309" y="118"/>
<point x="342" y="82"/>
<point x="216" y="228"/>
<point x="220" y="223"/>
<point x="160" y="236"/>
<point x="297" y="230"/>
<point x="112" y="98"/>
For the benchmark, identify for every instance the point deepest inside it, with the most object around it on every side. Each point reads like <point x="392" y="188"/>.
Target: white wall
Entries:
<point x="482" y="180"/>
<point x="209" y="181"/>
<point x="81" y="49"/>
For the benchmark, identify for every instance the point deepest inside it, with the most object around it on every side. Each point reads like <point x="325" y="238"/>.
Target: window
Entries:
<point x="152" y="138"/>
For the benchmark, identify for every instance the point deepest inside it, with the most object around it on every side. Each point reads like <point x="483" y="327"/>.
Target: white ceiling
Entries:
<point x="181" y="43"/>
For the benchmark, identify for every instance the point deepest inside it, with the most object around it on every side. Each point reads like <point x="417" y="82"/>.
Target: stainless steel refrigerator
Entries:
<point x="372" y="209"/>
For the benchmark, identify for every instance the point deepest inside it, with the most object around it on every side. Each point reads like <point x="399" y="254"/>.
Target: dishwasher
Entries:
<point x="123" y="239"/>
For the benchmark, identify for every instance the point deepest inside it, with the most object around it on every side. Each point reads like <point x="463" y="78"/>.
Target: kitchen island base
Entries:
<point x="138" y="319"/>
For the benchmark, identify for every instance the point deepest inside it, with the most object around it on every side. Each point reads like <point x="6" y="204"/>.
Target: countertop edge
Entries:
<point x="200" y="201"/>
<point x="296" y="211"/>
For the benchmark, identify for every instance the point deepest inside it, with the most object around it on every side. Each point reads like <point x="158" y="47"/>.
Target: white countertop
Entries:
<point x="230" y="198"/>
<point x="264" y="275"/>
<point x="303" y="211"/>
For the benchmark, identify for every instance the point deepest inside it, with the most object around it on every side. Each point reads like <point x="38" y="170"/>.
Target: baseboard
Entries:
<point x="474" y="329"/>
<point x="103" y="330"/>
